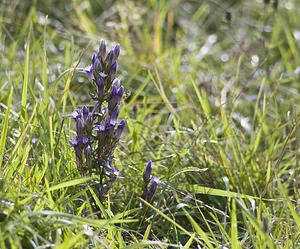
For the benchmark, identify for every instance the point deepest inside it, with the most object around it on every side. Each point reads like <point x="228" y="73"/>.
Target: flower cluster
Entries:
<point x="149" y="192"/>
<point x="98" y="131"/>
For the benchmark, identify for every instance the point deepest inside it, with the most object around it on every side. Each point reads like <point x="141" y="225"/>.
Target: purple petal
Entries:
<point x="109" y="58"/>
<point x="147" y="171"/>
<point x="89" y="72"/>
<point x="102" y="49"/>
<point x="153" y="186"/>
<point x="120" y="129"/>
<point x="114" y="115"/>
<point x="85" y="112"/>
<point x="116" y="83"/>
<point x="75" y="115"/>
<point x="116" y="52"/>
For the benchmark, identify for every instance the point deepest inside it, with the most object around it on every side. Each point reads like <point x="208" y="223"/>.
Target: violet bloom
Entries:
<point x="114" y="116"/>
<point x="101" y="124"/>
<point x="78" y="151"/>
<point x="87" y="120"/>
<point x="147" y="172"/>
<point x="116" y="52"/>
<point x="112" y="70"/>
<point x="75" y="115"/>
<point x="153" y="186"/>
<point x="120" y="129"/>
<point x="109" y="58"/>
<point x="115" y="97"/>
<point x="102" y="49"/>
<point x="114" y="174"/>
<point x="100" y="89"/>
<point x="89" y="72"/>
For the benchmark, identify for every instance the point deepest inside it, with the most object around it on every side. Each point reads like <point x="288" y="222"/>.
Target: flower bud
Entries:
<point x="147" y="172"/>
<point x="88" y="155"/>
<point x="89" y="123"/>
<point x="102" y="50"/>
<point x="113" y="70"/>
<point x="109" y="58"/>
<point x="116" y="52"/>
<point x="97" y="67"/>
<point x="100" y="89"/>
<point x="120" y="129"/>
<point x="116" y="83"/>
<point x="153" y="186"/>
<point x="114" y="115"/>
<point x="96" y="107"/>
<point x="85" y="112"/>
<point x="85" y="140"/>
<point x="120" y="92"/>
<point x="79" y="127"/>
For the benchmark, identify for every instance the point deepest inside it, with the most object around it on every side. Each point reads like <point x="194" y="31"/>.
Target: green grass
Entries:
<point x="229" y="166"/>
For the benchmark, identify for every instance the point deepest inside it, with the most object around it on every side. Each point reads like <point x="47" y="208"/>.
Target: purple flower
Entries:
<point x="114" y="115"/>
<point x="102" y="50"/>
<point x="113" y="70"/>
<point x="88" y="155"/>
<point x="115" y="97"/>
<point x="116" y="83"/>
<point x="85" y="112"/>
<point x="114" y="174"/>
<point x="74" y="143"/>
<point x="153" y="186"/>
<point x="34" y="140"/>
<point x="79" y="127"/>
<point x="120" y="129"/>
<point x="100" y="89"/>
<point x="109" y="58"/>
<point x="89" y="71"/>
<point x="75" y="115"/>
<point x="147" y="172"/>
<point x="85" y="140"/>
<point x="78" y="151"/>
<point x="97" y="67"/>
<point x="121" y="92"/>
<point x="116" y="52"/>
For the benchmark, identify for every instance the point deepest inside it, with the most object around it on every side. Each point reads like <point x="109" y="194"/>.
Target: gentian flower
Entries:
<point x="153" y="186"/>
<point x="98" y="132"/>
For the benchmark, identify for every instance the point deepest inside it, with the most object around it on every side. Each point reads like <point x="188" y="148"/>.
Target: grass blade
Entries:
<point x="5" y="126"/>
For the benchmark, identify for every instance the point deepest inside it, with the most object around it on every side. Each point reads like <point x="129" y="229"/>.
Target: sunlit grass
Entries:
<point x="226" y="150"/>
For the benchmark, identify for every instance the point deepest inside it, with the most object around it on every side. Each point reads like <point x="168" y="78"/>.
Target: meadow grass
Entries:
<point x="213" y="100"/>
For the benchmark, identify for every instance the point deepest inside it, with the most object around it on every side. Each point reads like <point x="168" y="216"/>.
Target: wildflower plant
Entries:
<point x="148" y="192"/>
<point x="98" y="130"/>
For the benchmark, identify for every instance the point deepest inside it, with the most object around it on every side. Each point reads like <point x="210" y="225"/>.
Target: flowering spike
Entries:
<point x="98" y="131"/>
<point x="79" y="127"/>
